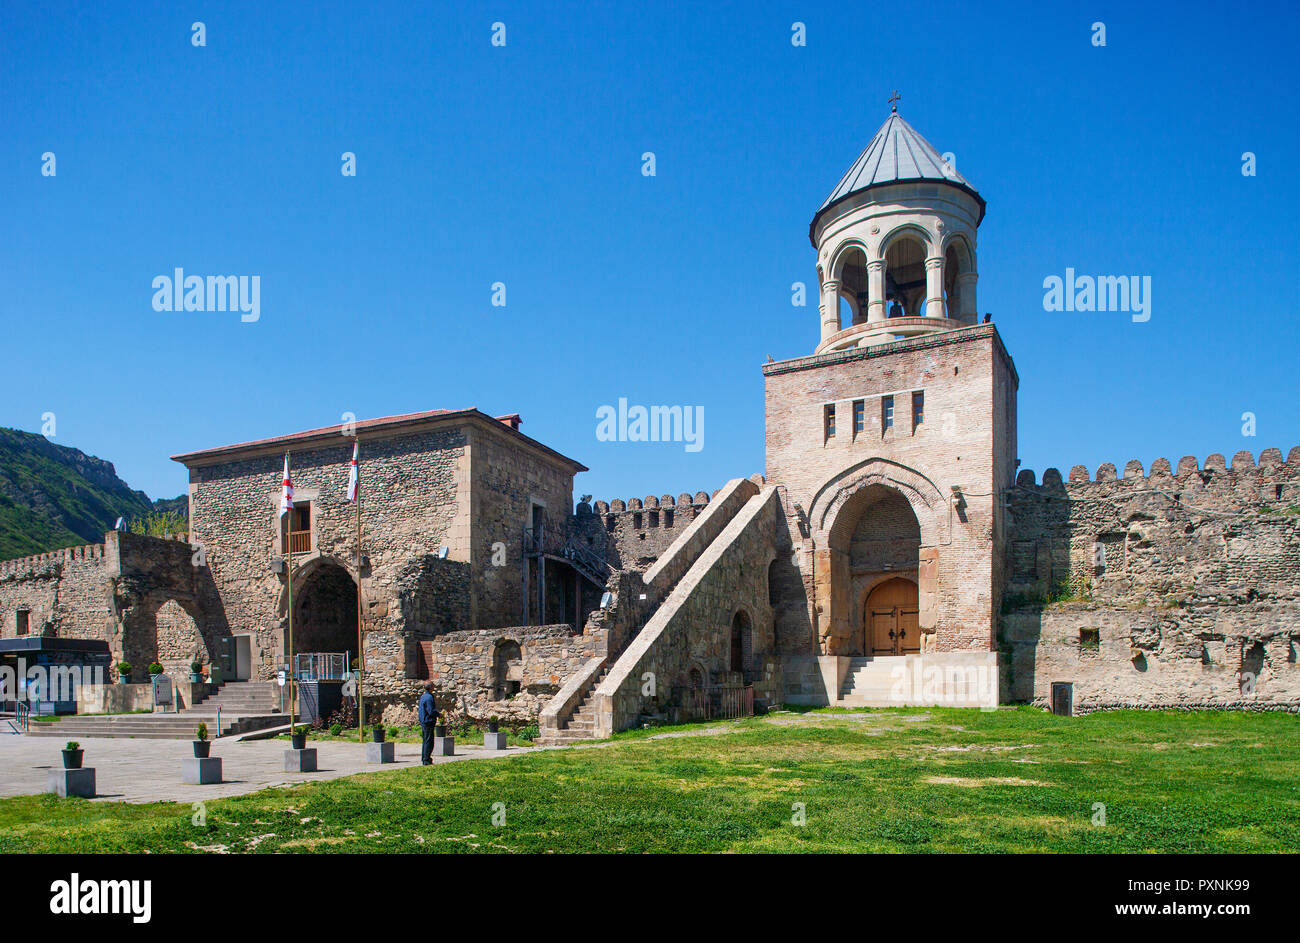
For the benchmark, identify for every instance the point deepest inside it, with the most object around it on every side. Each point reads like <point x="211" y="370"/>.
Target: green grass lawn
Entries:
<point x="920" y="780"/>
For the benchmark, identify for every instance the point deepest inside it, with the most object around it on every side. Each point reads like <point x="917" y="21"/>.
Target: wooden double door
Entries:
<point x="891" y="618"/>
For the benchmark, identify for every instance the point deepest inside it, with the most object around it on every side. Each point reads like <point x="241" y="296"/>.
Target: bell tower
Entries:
<point x="895" y="439"/>
<point x="895" y="243"/>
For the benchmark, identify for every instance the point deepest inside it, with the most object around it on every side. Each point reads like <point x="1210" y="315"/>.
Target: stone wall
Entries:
<point x="1180" y="587"/>
<point x="469" y="669"/>
<point x="139" y="594"/>
<point x="633" y="534"/>
<point x="508" y="480"/>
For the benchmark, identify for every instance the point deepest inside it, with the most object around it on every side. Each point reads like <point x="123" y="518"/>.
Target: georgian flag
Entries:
<point x="286" y="490"/>
<point x="352" y="472"/>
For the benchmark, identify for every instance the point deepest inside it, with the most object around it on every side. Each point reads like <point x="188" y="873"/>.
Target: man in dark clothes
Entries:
<point x="428" y="716"/>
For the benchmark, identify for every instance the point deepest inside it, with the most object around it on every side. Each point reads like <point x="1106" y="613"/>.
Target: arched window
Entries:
<point x="741" y="640"/>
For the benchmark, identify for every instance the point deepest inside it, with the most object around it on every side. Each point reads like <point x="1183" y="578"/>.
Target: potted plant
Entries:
<point x="196" y="672"/>
<point x="299" y="737"/>
<point x="494" y="725"/>
<point x="202" y="745"/>
<point x="155" y="669"/>
<point x="124" y="672"/>
<point x="72" y="754"/>
<point x="377" y="733"/>
<point x="439" y="730"/>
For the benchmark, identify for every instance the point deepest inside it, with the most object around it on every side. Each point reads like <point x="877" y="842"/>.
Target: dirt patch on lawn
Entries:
<point x="990" y="781"/>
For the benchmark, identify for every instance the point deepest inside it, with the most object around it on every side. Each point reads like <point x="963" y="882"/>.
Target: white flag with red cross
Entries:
<point x="352" y="472"/>
<point x="286" y="490"/>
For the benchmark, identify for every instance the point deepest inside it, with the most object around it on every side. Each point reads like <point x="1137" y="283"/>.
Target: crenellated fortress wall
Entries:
<point x="636" y="532"/>
<point x="1173" y="587"/>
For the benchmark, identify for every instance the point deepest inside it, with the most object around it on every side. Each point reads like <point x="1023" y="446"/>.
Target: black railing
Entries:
<point x="715" y="701"/>
<point x="545" y="540"/>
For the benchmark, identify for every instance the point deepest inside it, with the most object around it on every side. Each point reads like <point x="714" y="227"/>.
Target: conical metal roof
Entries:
<point x="896" y="154"/>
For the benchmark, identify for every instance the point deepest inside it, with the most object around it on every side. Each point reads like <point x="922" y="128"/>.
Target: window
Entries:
<point x="918" y="409"/>
<point x="668" y="518"/>
<point x="859" y="416"/>
<point x="300" y="527"/>
<point x="886" y="413"/>
<point x="21" y="623"/>
<point x="654" y="518"/>
<point x="1090" y="640"/>
<point x="830" y="421"/>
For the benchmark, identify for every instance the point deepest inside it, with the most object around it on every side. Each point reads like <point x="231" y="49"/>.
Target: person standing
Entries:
<point x="428" y="717"/>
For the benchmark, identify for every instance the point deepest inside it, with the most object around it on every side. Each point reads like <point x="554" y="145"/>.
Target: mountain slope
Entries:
<point x="52" y="496"/>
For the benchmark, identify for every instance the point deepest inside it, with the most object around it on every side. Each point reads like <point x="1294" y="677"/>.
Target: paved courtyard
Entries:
<point x="140" y="770"/>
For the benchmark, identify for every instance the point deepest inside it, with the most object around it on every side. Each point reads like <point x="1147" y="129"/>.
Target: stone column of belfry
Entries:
<point x="934" y="287"/>
<point x="876" y="291"/>
<point x="830" y="307"/>
<point x="966" y="287"/>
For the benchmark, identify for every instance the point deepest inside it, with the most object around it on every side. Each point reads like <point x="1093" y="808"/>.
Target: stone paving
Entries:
<point x="131" y="770"/>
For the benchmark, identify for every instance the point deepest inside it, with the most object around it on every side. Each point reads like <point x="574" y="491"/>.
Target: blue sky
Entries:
<point x="522" y="165"/>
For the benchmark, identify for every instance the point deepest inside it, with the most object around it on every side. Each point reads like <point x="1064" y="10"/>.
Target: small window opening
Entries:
<point x="886" y="413"/>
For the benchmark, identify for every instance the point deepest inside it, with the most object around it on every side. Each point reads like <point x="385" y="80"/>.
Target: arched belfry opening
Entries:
<point x="875" y="540"/>
<point x="325" y="612"/>
<point x="854" y="293"/>
<point x="905" y="281"/>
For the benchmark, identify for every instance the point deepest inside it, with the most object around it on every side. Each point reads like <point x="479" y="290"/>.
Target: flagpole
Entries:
<point x="361" y="646"/>
<point x="288" y="532"/>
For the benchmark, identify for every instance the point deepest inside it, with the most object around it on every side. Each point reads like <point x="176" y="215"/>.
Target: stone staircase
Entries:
<point x="245" y="706"/>
<point x="873" y="682"/>
<point x="582" y="724"/>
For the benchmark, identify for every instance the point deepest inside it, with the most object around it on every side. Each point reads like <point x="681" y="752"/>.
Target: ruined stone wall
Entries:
<point x="1177" y="587"/>
<point x="411" y="495"/>
<point x="467" y="672"/>
<point x="140" y="594"/>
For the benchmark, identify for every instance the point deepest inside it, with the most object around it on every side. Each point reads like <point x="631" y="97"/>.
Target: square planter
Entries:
<point x="494" y="741"/>
<point x="444" y="746"/>
<point x="381" y="752"/>
<point x="300" y="761"/>
<point x="71" y="782"/>
<point x="201" y="770"/>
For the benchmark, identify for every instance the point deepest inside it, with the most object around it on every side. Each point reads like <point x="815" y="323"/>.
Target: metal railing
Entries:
<point x="22" y="715"/>
<point x="321" y="666"/>
<point x="715" y="702"/>
<point x="543" y="539"/>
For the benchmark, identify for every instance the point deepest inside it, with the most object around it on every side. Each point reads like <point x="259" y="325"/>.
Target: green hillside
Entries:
<point x="52" y="496"/>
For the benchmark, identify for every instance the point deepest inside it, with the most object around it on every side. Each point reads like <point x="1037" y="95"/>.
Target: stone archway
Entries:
<point x="325" y="611"/>
<point x="165" y="630"/>
<point x="874" y="522"/>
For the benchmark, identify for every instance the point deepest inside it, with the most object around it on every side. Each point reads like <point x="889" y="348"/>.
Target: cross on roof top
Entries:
<point x="893" y="101"/>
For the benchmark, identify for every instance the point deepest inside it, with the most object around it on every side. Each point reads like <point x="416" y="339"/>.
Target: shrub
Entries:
<point x="336" y="729"/>
<point x="124" y="668"/>
<point x="201" y="733"/>
<point x="301" y="730"/>
<point x="529" y="733"/>
<point x="73" y="745"/>
<point x="394" y="733"/>
<point x="155" y="668"/>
